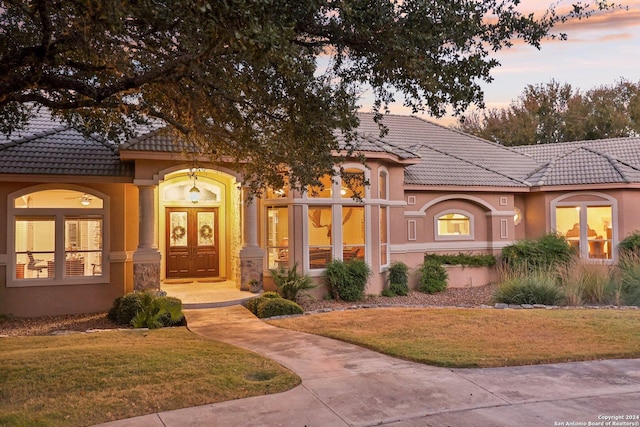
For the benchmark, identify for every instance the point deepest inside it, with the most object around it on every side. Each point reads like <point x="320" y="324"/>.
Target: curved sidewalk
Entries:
<point x="346" y="385"/>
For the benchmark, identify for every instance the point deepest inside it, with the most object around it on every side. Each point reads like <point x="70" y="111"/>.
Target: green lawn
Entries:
<point x="86" y="379"/>
<point x="482" y="337"/>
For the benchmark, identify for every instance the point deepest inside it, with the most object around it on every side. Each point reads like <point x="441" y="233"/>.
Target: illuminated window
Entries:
<point x="322" y="191"/>
<point x="320" y="236"/>
<point x="454" y="224"/>
<point x="352" y="184"/>
<point x="353" y="233"/>
<point x="587" y="228"/>
<point x="57" y="237"/>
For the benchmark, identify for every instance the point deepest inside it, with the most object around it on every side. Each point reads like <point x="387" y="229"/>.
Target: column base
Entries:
<point x="251" y="269"/>
<point x="146" y="270"/>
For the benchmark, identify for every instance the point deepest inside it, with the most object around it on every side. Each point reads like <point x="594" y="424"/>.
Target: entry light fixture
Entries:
<point x="194" y="192"/>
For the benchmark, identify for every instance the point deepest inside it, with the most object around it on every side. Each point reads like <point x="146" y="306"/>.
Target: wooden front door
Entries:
<point x="192" y="242"/>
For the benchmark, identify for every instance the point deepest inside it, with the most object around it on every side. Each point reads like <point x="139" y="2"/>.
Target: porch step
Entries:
<point x="217" y="304"/>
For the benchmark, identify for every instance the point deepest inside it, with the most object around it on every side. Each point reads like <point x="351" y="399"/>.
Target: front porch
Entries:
<point x="205" y="293"/>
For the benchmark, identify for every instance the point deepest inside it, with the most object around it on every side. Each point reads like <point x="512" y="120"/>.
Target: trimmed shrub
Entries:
<point x="290" y="284"/>
<point x="125" y="308"/>
<point x="463" y="259"/>
<point x="252" y="304"/>
<point x="347" y="280"/>
<point x="398" y="279"/>
<point x="433" y="277"/>
<point x="630" y="244"/>
<point x="549" y="250"/>
<point x="529" y="287"/>
<point x="271" y="307"/>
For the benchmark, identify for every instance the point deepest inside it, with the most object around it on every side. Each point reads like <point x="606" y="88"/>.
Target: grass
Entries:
<point x="86" y="379"/>
<point x="467" y="338"/>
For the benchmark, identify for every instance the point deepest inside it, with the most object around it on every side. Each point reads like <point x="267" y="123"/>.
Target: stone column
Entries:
<point x="251" y="255"/>
<point x="146" y="258"/>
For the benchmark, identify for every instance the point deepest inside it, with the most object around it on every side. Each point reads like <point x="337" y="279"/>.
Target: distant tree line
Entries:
<point x="554" y="112"/>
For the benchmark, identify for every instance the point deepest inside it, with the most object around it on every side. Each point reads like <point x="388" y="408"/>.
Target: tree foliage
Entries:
<point x="264" y="83"/>
<point x="554" y="112"/>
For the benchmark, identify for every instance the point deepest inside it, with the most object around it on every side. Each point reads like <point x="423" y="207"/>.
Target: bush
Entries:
<point x="526" y="286"/>
<point x="125" y="308"/>
<point x="586" y="282"/>
<point x="271" y="307"/>
<point x="290" y="284"/>
<point x="549" y="250"/>
<point x="147" y="310"/>
<point x="463" y="259"/>
<point x="628" y="279"/>
<point x="398" y="279"/>
<point x="347" y="280"/>
<point x="433" y="277"/>
<point x="630" y="244"/>
<point x="252" y="304"/>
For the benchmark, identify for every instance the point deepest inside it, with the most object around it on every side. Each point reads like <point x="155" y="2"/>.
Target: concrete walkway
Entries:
<point x="345" y="385"/>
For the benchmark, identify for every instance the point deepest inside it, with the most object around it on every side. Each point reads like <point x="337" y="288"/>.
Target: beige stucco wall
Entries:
<point x="30" y="301"/>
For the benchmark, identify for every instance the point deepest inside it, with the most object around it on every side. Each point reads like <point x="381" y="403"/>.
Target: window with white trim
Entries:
<point x="454" y="225"/>
<point x="57" y="237"/>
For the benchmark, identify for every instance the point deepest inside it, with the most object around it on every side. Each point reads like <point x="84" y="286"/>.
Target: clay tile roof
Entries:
<point x="449" y="157"/>
<point x="604" y="161"/>
<point x="61" y="150"/>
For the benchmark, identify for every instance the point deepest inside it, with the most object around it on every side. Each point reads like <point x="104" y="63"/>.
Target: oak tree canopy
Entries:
<point x="265" y="82"/>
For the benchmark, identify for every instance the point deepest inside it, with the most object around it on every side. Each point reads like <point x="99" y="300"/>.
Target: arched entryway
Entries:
<point x="198" y="217"/>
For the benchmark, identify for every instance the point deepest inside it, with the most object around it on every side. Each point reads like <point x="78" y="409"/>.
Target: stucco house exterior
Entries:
<point x="87" y="220"/>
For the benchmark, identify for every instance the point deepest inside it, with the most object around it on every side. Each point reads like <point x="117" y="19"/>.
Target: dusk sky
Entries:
<point x="599" y="51"/>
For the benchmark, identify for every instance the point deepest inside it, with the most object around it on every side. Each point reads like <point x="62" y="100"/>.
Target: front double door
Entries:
<point x="192" y="242"/>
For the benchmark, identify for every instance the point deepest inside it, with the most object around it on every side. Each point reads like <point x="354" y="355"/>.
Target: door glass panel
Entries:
<point x="178" y="223"/>
<point x="205" y="228"/>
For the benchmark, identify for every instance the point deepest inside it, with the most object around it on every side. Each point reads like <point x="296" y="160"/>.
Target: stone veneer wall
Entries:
<point x="146" y="276"/>
<point x="236" y="234"/>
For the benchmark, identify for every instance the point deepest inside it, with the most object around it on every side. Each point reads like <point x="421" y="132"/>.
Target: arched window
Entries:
<point x="587" y="220"/>
<point x="454" y="225"/>
<point x="58" y="236"/>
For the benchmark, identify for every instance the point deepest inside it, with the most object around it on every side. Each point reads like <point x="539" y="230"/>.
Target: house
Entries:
<point x="88" y="220"/>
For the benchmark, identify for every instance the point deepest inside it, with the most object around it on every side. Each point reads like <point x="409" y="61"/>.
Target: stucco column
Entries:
<point x="146" y="258"/>
<point x="251" y="255"/>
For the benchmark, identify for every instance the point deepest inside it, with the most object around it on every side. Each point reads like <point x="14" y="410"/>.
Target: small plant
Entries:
<point x="525" y="286"/>
<point x="290" y="284"/>
<point x="278" y="307"/>
<point x="398" y="279"/>
<point x="347" y="280"/>
<point x="433" y="277"/>
<point x="254" y="286"/>
<point x="158" y="312"/>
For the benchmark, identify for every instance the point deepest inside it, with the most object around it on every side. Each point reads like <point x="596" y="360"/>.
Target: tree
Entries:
<point x="554" y="112"/>
<point x="265" y="83"/>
